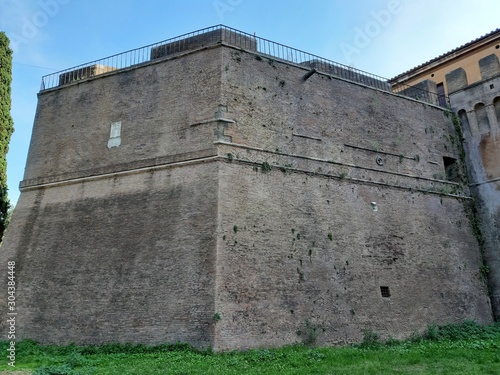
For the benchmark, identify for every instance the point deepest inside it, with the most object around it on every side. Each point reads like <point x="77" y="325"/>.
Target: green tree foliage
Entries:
<point x="6" y="124"/>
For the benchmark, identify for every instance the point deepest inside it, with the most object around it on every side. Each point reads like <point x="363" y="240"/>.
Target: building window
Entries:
<point x="496" y="105"/>
<point x="384" y="290"/>
<point x="441" y="95"/>
<point x="451" y="169"/>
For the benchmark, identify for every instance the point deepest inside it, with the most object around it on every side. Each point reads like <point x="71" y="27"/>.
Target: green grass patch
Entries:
<point x="466" y="348"/>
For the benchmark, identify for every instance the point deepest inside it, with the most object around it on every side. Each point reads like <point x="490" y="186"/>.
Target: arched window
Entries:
<point x="496" y="104"/>
<point x="482" y="118"/>
<point x="464" y="120"/>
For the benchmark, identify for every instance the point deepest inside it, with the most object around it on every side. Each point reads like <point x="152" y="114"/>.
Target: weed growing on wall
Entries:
<point x="370" y="339"/>
<point x="470" y="206"/>
<point x="308" y="333"/>
<point x="266" y="167"/>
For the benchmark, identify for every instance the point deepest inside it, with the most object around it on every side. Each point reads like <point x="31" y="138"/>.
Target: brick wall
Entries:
<point x="241" y="191"/>
<point x="301" y="246"/>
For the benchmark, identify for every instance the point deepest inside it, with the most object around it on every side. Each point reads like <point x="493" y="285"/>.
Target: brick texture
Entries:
<point x="239" y="191"/>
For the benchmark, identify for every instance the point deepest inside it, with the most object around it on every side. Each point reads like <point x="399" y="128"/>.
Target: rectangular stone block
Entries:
<point x="456" y="80"/>
<point x="489" y="66"/>
<point x="202" y="40"/>
<point x="83" y="73"/>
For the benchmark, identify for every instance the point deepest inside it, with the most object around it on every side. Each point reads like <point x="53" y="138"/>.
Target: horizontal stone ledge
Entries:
<point x="381" y="152"/>
<point x="306" y="136"/>
<point x="232" y="159"/>
<point x="236" y="145"/>
<point x="347" y="178"/>
<point x="58" y="180"/>
<point x="484" y="182"/>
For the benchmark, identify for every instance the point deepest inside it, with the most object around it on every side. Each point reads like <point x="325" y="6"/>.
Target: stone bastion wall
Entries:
<point x="218" y="197"/>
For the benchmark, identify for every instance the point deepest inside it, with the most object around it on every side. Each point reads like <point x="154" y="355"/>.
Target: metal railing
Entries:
<point x="222" y="34"/>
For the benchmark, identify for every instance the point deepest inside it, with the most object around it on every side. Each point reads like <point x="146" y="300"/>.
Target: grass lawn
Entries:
<point x="452" y="349"/>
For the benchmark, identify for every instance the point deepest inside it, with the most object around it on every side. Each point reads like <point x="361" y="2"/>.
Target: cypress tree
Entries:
<point x="6" y="125"/>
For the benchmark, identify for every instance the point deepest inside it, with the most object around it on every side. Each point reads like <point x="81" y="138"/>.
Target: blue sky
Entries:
<point x="384" y="37"/>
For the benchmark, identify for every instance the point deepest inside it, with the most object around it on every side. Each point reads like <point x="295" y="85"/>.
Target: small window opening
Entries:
<point x="451" y="169"/>
<point x="384" y="290"/>
<point x="441" y="94"/>
<point x="492" y="86"/>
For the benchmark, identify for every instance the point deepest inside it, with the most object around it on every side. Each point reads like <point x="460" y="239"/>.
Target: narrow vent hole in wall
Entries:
<point x="384" y="290"/>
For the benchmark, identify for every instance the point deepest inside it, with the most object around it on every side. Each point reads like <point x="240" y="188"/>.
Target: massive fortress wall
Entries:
<point x="302" y="246"/>
<point x="118" y="244"/>
<point x="219" y="198"/>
